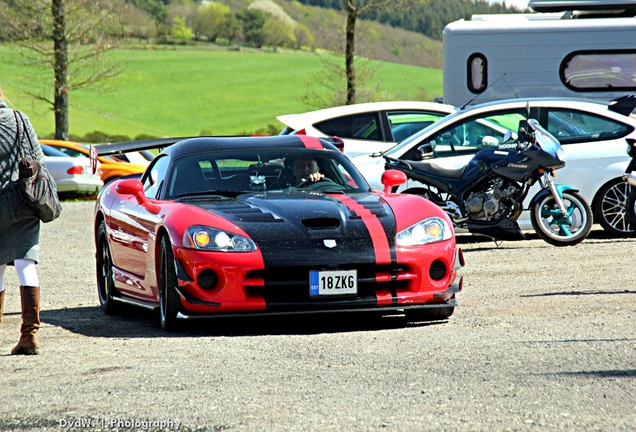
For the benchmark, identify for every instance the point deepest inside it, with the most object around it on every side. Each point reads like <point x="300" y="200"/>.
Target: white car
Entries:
<point x="593" y="136"/>
<point x="367" y="127"/>
<point x="72" y="175"/>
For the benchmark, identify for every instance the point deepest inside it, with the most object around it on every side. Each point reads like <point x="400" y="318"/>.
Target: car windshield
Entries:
<point x="231" y="173"/>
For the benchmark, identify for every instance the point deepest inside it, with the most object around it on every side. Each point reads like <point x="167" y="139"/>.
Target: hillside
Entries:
<point x="373" y="40"/>
<point x="193" y="90"/>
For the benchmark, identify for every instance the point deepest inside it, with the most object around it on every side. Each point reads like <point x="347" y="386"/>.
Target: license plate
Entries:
<point x="333" y="282"/>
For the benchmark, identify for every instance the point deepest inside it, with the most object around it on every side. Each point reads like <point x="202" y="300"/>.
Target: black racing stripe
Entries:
<point x="385" y="214"/>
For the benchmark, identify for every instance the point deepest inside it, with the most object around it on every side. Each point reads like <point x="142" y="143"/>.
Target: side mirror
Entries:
<point x="491" y="141"/>
<point x="425" y="151"/>
<point x="130" y="187"/>
<point x="134" y="187"/>
<point x="391" y="178"/>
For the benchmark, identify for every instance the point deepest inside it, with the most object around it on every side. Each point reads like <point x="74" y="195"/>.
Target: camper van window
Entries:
<point x="477" y="73"/>
<point x="599" y="70"/>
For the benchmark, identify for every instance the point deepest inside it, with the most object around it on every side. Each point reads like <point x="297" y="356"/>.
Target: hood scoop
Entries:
<point x="321" y="223"/>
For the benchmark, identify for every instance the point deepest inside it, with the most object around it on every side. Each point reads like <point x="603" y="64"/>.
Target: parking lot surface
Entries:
<point x="544" y="339"/>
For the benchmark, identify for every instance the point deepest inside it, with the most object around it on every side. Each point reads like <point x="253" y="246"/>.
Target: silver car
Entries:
<point x="72" y="175"/>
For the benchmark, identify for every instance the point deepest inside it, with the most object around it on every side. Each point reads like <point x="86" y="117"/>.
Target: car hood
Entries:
<point x="310" y="228"/>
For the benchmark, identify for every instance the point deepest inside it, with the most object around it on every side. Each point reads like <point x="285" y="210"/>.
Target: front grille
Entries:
<point x="291" y="285"/>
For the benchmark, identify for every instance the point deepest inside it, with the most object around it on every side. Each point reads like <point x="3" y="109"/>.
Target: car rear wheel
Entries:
<point x="169" y="302"/>
<point x="105" y="275"/>
<point x="609" y="208"/>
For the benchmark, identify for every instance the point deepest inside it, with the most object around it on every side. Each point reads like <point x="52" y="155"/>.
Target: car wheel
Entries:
<point x="169" y="301"/>
<point x="105" y="275"/>
<point x="609" y="208"/>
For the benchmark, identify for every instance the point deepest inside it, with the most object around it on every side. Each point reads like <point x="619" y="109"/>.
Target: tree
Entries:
<point x="210" y="19"/>
<point x="70" y="39"/>
<point x="232" y="28"/>
<point x="253" y="21"/>
<point x="180" y="31"/>
<point x="303" y="35"/>
<point x="354" y="9"/>
<point x="277" y="33"/>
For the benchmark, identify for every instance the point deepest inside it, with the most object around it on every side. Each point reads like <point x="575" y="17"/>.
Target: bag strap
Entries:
<point x="17" y="142"/>
<point x="17" y="115"/>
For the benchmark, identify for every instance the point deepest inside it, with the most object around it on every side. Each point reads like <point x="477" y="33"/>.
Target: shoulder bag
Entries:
<point x="36" y="185"/>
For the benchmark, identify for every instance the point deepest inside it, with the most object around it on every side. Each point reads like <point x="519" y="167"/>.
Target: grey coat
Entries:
<point x="19" y="225"/>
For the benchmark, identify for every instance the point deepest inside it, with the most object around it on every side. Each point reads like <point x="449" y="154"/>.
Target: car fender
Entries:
<point x="601" y="177"/>
<point x="411" y="209"/>
<point x="177" y="220"/>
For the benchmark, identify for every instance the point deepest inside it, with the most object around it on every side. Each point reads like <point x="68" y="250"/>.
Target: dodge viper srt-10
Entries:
<point x="221" y="227"/>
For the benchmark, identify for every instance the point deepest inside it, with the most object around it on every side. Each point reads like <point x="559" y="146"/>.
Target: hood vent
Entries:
<point x="321" y="223"/>
<point x="246" y="213"/>
<point x="375" y="208"/>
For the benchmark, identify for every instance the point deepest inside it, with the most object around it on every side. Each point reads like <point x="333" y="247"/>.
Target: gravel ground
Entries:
<point x="543" y="340"/>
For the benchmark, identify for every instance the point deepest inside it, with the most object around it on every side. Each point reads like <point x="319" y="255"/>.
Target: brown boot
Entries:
<point x="2" y="304"/>
<point x="28" y="343"/>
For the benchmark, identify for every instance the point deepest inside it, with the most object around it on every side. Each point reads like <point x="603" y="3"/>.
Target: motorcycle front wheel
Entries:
<point x="556" y="229"/>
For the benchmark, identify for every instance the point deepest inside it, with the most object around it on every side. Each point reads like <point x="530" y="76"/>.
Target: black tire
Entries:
<point x="630" y="206"/>
<point x="556" y="230"/>
<point x="105" y="275"/>
<point x="169" y="301"/>
<point x="610" y="209"/>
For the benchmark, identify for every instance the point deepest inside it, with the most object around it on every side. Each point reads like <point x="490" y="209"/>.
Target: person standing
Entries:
<point x="19" y="224"/>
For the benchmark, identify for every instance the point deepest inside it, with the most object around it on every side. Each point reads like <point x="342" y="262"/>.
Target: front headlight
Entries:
<point x="561" y="154"/>
<point x="212" y="239"/>
<point x="429" y="230"/>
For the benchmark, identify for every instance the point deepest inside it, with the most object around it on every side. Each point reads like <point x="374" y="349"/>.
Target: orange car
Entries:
<point x="111" y="167"/>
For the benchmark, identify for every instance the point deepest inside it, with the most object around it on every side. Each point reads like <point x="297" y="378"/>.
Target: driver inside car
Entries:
<point x="305" y="170"/>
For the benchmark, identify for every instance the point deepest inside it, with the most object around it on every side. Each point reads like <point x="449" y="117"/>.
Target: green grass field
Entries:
<point x="184" y="92"/>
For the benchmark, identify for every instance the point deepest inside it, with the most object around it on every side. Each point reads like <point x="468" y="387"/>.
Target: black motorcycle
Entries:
<point x="486" y="196"/>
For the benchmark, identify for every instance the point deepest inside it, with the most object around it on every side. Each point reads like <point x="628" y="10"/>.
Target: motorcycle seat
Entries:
<point x="437" y="170"/>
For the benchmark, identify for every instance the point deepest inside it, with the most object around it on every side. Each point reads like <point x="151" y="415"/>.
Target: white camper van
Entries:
<point x="589" y="53"/>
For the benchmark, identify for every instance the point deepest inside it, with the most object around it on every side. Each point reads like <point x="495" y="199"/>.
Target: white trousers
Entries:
<point x="27" y="273"/>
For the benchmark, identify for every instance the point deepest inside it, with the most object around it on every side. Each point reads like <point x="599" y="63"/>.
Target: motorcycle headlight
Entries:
<point x="429" y="230"/>
<point x="561" y="154"/>
<point x="212" y="239"/>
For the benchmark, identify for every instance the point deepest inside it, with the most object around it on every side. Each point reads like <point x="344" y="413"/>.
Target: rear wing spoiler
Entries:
<point x="129" y="146"/>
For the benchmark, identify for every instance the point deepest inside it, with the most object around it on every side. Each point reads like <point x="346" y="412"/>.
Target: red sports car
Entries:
<point x="230" y="226"/>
